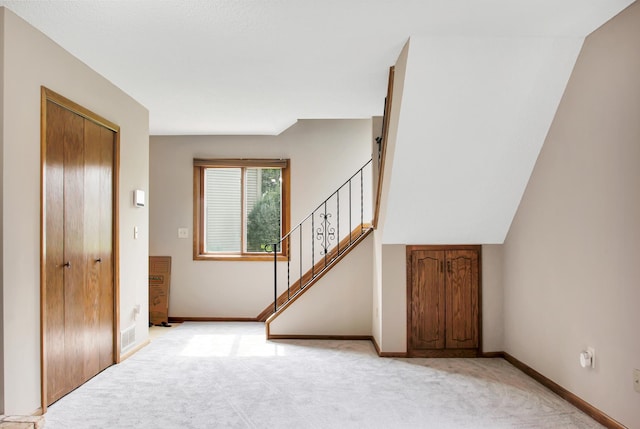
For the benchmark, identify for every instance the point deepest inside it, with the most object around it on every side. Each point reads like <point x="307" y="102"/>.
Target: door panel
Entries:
<point x="73" y="242"/>
<point x="92" y="246"/>
<point x="106" y="143"/>
<point x="462" y="302"/>
<point x="54" y="255"/>
<point x="427" y="330"/>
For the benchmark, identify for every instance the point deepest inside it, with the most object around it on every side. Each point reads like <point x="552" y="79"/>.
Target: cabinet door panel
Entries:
<point x="427" y="330"/>
<point x="462" y="299"/>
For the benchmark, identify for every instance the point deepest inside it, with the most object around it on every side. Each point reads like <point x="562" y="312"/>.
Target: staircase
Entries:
<point x="305" y="254"/>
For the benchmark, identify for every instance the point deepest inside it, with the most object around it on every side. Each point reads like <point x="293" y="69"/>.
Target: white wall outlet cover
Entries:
<point x="183" y="232"/>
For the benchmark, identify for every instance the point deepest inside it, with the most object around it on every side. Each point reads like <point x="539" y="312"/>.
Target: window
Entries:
<point x="240" y="207"/>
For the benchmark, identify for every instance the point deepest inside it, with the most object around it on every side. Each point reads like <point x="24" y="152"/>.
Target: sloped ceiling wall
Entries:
<point x="473" y="117"/>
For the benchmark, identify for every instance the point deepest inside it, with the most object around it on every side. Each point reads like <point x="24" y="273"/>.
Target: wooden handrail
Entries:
<point x="383" y="146"/>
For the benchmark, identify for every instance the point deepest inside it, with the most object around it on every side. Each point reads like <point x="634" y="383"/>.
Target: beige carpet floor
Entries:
<point x="226" y="375"/>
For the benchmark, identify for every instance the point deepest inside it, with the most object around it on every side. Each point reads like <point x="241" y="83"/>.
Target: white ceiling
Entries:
<point x="256" y="66"/>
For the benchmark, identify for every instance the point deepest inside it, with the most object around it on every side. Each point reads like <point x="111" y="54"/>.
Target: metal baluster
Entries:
<point x="288" y="265"/>
<point x="338" y="215"/>
<point x="313" y="247"/>
<point x="361" y="203"/>
<point x="350" y="226"/>
<point x="325" y="235"/>
<point x="300" y="280"/>
<point x="275" y="277"/>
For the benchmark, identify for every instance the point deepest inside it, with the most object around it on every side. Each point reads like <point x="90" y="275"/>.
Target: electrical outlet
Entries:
<point x="183" y="232"/>
<point x="636" y="380"/>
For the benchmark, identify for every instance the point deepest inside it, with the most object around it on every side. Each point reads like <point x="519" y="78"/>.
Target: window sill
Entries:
<point x="238" y="258"/>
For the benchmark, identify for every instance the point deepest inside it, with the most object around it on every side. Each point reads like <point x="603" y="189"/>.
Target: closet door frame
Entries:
<point x="48" y="95"/>
<point x="477" y="352"/>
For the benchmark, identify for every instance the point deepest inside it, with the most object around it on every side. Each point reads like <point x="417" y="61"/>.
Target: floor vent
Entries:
<point x="128" y="337"/>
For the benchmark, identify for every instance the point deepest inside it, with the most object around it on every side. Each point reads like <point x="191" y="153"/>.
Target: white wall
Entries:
<point x="393" y="309"/>
<point x="339" y="304"/>
<point x="571" y="256"/>
<point x="475" y="112"/>
<point x="2" y="368"/>
<point x="376" y="298"/>
<point x="376" y="127"/>
<point x="384" y="319"/>
<point x="32" y="60"/>
<point x="492" y="299"/>
<point x="323" y="153"/>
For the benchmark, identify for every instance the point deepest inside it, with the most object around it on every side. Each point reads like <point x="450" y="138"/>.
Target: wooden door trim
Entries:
<point x="445" y="352"/>
<point x="413" y="247"/>
<point x="54" y="97"/>
<point x="47" y="95"/>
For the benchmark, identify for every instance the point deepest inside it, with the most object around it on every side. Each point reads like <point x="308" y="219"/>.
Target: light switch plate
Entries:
<point x="183" y="232"/>
<point x="138" y="198"/>
<point x="593" y="356"/>
<point x="636" y="380"/>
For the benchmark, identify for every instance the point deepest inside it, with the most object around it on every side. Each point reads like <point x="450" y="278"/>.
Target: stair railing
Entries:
<point x="324" y="235"/>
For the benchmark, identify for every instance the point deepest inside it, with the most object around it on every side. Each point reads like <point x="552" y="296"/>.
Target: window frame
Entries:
<point x="199" y="166"/>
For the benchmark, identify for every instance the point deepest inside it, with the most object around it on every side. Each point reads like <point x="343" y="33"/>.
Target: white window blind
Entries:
<point x="223" y="208"/>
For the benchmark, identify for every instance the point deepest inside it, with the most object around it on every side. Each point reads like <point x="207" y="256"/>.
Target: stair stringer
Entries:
<point x="339" y="304"/>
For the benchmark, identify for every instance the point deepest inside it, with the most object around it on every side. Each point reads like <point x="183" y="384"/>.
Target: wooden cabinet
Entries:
<point x="443" y="301"/>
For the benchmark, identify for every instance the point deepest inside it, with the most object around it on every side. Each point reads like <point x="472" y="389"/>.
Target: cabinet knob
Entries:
<point x="99" y="260"/>
<point x="67" y="264"/>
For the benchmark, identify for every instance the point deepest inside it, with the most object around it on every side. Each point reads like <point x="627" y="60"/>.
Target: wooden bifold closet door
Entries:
<point x="443" y="301"/>
<point x="78" y="263"/>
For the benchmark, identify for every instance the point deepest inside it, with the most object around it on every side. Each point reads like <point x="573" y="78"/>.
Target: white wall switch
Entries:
<point x="588" y="358"/>
<point x="138" y="198"/>
<point x="183" y="232"/>
<point x="135" y="232"/>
